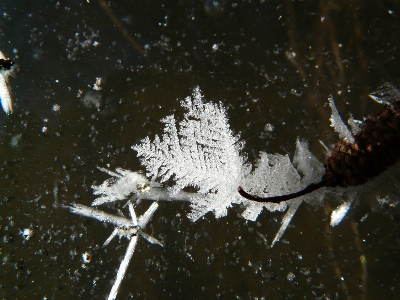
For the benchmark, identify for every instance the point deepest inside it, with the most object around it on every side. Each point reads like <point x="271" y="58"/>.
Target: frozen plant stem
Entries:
<point x="358" y="157"/>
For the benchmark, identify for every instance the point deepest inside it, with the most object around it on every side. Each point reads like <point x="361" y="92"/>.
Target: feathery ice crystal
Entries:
<point x="202" y="152"/>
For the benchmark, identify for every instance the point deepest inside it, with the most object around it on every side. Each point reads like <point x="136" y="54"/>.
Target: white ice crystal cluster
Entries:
<point x="275" y="175"/>
<point x="120" y="186"/>
<point x="202" y="153"/>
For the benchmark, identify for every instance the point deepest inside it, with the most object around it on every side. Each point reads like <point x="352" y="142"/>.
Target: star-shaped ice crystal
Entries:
<point x="131" y="229"/>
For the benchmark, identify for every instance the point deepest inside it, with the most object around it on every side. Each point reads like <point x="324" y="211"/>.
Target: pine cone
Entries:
<point x="376" y="147"/>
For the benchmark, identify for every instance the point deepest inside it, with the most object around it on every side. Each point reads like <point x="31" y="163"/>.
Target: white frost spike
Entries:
<point x="123" y="184"/>
<point x="338" y="125"/>
<point x="354" y="125"/>
<point x="385" y="94"/>
<point x="339" y="213"/>
<point x="201" y="153"/>
<point x="145" y="218"/>
<point x="113" y="234"/>
<point x="122" y="268"/>
<point x="94" y="213"/>
<point x="5" y="96"/>
<point x="293" y="206"/>
<point x="133" y="214"/>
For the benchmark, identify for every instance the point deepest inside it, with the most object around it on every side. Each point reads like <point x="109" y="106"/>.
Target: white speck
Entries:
<point x="339" y="213"/>
<point x="215" y="47"/>
<point x="269" y="127"/>
<point x="290" y="277"/>
<point x="44" y="129"/>
<point x="27" y="233"/>
<point x="97" y="85"/>
<point x="86" y="258"/>
<point x="56" y="107"/>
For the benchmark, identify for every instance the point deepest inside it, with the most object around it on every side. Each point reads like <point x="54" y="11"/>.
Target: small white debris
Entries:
<point x="290" y="277"/>
<point x="56" y="107"/>
<point x="27" y="233"/>
<point x="339" y="213"/>
<point x="269" y="127"/>
<point x="86" y="257"/>
<point x="97" y="85"/>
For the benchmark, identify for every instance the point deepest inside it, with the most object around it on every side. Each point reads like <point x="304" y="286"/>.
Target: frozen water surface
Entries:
<point x="267" y="62"/>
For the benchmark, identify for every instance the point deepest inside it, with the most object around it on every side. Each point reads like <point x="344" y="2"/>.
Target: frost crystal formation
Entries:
<point x="203" y="153"/>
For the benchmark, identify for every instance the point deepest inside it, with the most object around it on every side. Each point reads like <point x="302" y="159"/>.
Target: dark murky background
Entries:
<point x="268" y="61"/>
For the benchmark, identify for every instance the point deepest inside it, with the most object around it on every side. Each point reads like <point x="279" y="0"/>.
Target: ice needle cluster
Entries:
<point x="202" y="153"/>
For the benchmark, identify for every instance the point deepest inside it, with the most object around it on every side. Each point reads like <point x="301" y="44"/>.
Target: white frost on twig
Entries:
<point x="338" y="125"/>
<point x="354" y="125"/>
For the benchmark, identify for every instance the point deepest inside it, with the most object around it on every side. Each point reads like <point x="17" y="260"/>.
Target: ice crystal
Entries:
<point x="275" y="175"/>
<point x="338" y="125"/>
<point x="202" y="153"/>
<point x="123" y="184"/>
<point x="385" y="94"/>
<point x="130" y="229"/>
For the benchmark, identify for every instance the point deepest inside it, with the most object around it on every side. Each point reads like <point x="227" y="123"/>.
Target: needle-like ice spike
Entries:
<point x="145" y="218"/>
<point x="133" y="214"/>
<point x="113" y="234"/>
<point x="91" y="212"/>
<point x="150" y="239"/>
<point x="123" y="267"/>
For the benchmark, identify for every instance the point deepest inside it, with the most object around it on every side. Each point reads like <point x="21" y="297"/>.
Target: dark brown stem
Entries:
<point x="277" y="199"/>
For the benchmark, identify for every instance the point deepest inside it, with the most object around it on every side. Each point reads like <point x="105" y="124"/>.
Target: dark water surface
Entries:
<point x="269" y="62"/>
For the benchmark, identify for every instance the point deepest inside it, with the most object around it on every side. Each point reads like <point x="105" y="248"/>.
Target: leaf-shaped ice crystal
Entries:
<point x="204" y="153"/>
